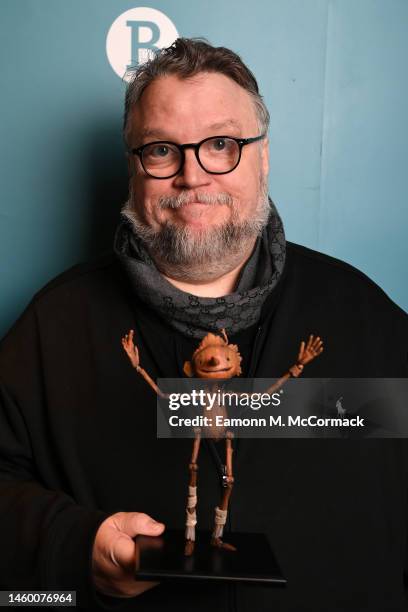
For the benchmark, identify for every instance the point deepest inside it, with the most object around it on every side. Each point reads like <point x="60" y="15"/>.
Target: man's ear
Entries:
<point x="188" y="369"/>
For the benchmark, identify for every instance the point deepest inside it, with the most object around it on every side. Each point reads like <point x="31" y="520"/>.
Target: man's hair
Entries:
<point x="187" y="57"/>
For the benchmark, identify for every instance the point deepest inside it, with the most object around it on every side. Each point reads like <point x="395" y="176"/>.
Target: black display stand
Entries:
<point x="162" y="558"/>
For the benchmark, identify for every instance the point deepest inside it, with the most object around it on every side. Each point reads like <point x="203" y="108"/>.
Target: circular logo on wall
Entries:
<point x="134" y="35"/>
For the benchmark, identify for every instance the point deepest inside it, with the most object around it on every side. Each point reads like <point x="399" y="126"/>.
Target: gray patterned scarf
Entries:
<point x="196" y="316"/>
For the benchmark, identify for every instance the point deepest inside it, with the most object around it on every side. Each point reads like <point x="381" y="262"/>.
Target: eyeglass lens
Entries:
<point x="163" y="159"/>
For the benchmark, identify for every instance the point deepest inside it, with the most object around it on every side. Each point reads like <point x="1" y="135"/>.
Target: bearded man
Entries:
<point x="199" y="248"/>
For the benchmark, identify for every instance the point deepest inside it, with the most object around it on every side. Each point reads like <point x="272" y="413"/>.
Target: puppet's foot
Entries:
<point x="220" y="520"/>
<point x="218" y="543"/>
<point x="189" y="548"/>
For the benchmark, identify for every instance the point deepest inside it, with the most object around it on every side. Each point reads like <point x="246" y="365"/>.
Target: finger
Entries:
<point x="302" y="348"/>
<point x="123" y="553"/>
<point x="135" y="523"/>
<point x="146" y="525"/>
<point x="310" y="341"/>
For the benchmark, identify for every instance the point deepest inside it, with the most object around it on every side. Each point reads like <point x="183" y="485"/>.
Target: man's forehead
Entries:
<point x="209" y="104"/>
<point x="151" y="131"/>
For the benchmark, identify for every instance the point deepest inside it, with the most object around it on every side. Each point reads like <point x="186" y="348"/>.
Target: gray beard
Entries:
<point x="200" y="256"/>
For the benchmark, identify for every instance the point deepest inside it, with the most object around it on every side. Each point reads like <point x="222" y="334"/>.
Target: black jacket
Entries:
<point x="78" y="442"/>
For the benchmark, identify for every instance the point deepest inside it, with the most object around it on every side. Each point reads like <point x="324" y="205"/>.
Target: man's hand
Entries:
<point x="131" y="349"/>
<point x="114" y="553"/>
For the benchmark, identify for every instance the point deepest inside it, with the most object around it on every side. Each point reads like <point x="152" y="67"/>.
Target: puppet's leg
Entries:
<point x="221" y="511"/>
<point x="191" y="514"/>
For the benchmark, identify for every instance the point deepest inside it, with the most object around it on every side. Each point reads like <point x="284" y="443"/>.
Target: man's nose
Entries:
<point x="213" y="361"/>
<point x="192" y="174"/>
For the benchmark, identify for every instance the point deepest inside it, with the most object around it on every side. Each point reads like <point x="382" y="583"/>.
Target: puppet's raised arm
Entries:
<point x="133" y="354"/>
<point x="307" y="352"/>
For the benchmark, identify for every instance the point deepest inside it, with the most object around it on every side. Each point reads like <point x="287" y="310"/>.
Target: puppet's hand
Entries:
<point x="312" y="349"/>
<point x="131" y="349"/>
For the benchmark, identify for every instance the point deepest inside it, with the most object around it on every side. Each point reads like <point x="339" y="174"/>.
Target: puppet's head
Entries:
<point x="214" y="358"/>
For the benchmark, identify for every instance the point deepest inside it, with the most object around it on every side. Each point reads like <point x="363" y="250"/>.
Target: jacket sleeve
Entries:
<point x="46" y="537"/>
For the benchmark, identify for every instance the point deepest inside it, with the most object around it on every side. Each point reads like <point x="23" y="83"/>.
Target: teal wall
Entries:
<point x="334" y="76"/>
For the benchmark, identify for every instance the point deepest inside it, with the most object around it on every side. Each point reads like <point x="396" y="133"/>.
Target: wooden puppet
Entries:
<point x="215" y="359"/>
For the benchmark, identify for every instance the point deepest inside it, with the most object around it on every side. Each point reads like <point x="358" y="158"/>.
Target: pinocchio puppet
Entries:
<point x="215" y="359"/>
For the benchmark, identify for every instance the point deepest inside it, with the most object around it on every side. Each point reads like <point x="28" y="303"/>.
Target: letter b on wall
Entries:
<point x="134" y="35"/>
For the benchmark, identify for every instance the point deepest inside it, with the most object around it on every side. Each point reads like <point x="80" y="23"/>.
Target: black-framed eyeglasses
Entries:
<point x="162" y="159"/>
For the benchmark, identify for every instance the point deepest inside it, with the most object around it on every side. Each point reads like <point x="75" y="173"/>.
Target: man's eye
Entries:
<point x="219" y="144"/>
<point x="159" y="151"/>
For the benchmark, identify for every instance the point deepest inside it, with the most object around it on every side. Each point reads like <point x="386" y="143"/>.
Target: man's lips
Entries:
<point x="192" y="211"/>
<point x="194" y="203"/>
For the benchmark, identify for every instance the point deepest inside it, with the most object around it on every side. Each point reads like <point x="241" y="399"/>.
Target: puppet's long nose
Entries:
<point x="213" y="361"/>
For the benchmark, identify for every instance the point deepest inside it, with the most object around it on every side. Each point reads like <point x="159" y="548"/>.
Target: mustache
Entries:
<point x="186" y="197"/>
